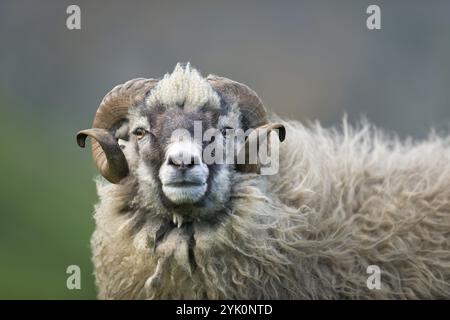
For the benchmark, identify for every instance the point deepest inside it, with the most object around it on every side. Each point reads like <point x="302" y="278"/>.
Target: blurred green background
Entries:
<point x="307" y="60"/>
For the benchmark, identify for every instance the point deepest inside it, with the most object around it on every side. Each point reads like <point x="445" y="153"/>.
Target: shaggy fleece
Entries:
<point x="343" y="200"/>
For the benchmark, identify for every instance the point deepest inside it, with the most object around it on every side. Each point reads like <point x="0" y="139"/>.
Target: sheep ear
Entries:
<point x="257" y="138"/>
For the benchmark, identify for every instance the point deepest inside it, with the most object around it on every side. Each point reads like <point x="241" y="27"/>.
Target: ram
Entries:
<point x="342" y="201"/>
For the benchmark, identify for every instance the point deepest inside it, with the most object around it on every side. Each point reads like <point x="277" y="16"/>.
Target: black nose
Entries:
<point x="182" y="162"/>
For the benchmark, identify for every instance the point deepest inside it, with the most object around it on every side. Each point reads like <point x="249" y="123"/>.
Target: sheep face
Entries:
<point x="167" y="150"/>
<point x="179" y="138"/>
<point x="172" y="142"/>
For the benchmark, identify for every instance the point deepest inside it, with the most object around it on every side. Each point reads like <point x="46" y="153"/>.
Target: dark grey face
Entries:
<point x="169" y="144"/>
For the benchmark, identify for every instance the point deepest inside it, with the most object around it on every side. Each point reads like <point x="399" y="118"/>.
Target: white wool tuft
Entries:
<point x="185" y="85"/>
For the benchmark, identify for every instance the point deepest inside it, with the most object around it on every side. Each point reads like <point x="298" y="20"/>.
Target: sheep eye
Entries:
<point x="140" y="133"/>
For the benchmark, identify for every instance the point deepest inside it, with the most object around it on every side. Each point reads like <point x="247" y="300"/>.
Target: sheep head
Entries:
<point x="147" y="128"/>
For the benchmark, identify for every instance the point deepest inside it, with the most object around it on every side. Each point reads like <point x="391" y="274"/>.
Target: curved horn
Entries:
<point x="252" y="109"/>
<point x="108" y="157"/>
<point x="253" y="113"/>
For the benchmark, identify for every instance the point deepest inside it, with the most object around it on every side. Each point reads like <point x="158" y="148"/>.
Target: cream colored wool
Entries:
<point x="343" y="200"/>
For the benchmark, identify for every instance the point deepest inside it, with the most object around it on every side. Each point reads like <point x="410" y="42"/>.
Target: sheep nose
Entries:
<point x="183" y="162"/>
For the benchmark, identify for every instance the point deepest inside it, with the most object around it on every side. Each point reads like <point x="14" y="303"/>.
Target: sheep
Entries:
<point x="342" y="202"/>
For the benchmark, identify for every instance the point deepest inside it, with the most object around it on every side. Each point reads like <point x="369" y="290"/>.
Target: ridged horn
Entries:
<point x="252" y="109"/>
<point x="253" y="113"/>
<point x="108" y="157"/>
